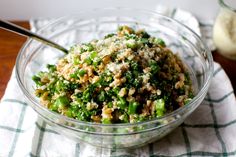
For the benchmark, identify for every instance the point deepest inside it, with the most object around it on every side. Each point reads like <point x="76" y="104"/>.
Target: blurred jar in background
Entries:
<point x="224" y="31"/>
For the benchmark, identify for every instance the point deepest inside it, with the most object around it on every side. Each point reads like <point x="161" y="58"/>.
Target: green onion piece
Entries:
<point x="186" y="101"/>
<point x="102" y="96"/>
<point x="82" y="115"/>
<point x="132" y="108"/>
<point x="116" y="90"/>
<point x="53" y="107"/>
<point x="88" y="61"/>
<point x="37" y="80"/>
<point x="122" y="103"/>
<point x="73" y="75"/>
<point x="93" y="54"/>
<point x="110" y="105"/>
<point x="130" y="36"/>
<point x="126" y="118"/>
<point x="86" y="95"/>
<point x="60" y="86"/>
<point x="159" y="42"/>
<point x="73" y="86"/>
<point x="134" y="65"/>
<point x="160" y="107"/>
<point x="82" y="72"/>
<point x="87" y="47"/>
<point x="76" y="61"/>
<point x="137" y="82"/>
<point x="128" y="76"/>
<point x="144" y="40"/>
<point x="51" y="67"/>
<point x="120" y="28"/>
<point x="72" y="48"/>
<point x="109" y="35"/>
<point x="132" y="45"/>
<point x="106" y="121"/>
<point x="90" y="47"/>
<point x="154" y="66"/>
<point x="69" y="112"/>
<point x="96" y="61"/>
<point x="145" y="35"/>
<point x="62" y="101"/>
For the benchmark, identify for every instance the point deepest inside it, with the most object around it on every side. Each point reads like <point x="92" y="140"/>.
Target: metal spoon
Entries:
<point x="22" y="31"/>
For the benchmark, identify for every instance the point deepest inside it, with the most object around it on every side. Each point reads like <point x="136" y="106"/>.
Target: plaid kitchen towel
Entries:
<point x="209" y="131"/>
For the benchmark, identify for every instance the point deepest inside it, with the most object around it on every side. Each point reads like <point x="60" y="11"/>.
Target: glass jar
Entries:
<point x="224" y="31"/>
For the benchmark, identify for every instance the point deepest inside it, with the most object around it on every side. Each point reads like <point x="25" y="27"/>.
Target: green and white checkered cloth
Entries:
<point x="209" y="131"/>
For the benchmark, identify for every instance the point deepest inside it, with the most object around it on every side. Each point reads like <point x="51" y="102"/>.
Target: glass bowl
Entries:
<point x="91" y="24"/>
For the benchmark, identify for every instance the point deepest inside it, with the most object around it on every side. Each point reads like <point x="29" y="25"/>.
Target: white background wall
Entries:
<point x="26" y="9"/>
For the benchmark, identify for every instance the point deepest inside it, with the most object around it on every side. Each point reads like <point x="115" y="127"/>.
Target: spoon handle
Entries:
<point x="22" y="31"/>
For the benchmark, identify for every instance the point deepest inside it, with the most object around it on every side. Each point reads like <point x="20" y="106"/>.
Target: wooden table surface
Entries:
<point x="11" y="43"/>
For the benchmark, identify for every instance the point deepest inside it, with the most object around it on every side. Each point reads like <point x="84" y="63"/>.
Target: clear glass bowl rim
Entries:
<point x="226" y="6"/>
<point x="200" y="94"/>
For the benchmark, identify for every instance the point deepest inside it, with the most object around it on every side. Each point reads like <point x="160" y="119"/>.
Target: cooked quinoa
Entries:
<point x="126" y="77"/>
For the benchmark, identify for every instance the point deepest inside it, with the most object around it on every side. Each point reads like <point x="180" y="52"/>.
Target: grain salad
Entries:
<point x="125" y="77"/>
